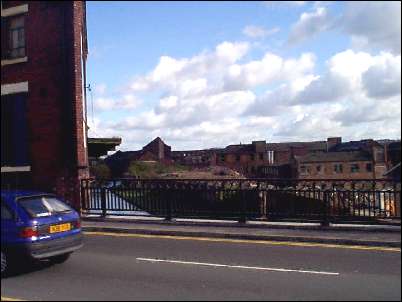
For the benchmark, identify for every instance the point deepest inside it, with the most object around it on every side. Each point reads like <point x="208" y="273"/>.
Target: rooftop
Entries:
<point x="335" y="157"/>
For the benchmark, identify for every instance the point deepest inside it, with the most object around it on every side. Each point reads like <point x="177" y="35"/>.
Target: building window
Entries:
<point x="270" y="157"/>
<point x="380" y="156"/>
<point x="304" y="169"/>
<point x="338" y="168"/>
<point x="14" y="45"/>
<point x="14" y="131"/>
<point x="237" y="157"/>
<point x="354" y="168"/>
<point x="261" y="155"/>
<point x="369" y="167"/>
<point x="319" y="168"/>
<point x="252" y="156"/>
<point x="222" y="157"/>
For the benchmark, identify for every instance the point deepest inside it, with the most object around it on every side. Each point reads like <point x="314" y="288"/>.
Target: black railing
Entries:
<point x="245" y="199"/>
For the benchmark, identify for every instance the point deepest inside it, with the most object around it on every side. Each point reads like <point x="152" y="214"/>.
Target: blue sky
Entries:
<point x="207" y="74"/>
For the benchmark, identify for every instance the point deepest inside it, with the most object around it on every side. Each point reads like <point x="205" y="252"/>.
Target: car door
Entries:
<point x="9" y="229"/>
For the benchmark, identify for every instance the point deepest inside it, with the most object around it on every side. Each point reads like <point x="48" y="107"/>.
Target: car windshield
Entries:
<point x="41" y="206"/>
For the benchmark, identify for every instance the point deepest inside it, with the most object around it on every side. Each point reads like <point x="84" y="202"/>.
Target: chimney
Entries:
<point x="259" y="146"/>
<point x="333" y="141"/>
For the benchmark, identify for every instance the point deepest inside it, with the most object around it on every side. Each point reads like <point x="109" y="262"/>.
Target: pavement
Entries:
<point x="337" y="234"/>
<point x="131" y="267"/>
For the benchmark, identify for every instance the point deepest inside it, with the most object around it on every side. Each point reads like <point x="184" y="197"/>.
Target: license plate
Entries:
<point x="60" y="228"/>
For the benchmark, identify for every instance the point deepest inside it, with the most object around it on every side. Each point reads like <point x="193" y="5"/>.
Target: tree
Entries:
<point x="100" y="171"/>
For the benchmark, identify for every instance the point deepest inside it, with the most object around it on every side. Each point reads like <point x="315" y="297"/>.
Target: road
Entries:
<point x="140" y="267"/>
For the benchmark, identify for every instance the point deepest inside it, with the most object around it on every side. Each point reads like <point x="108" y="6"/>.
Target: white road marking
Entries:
<point x="239" y="266"/>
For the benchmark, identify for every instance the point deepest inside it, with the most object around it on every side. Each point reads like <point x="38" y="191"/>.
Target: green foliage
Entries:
<point x="153" y="169"/>
<point x="100" y="171"/>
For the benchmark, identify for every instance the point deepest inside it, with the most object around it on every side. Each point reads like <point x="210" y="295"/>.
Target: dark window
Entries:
<point x="13" y="37"/>
<point x="354" y="168"/>
<point x="238" y="157"/>
<point x="338" y="168"/>
<point x="14" y="132"/>
<point x="252" y="157"/>
<point x="318" y="168"/>
<point x="380" y="156"/>
<point x="369" y="167"/>
<point x="5" y="212"/>
<point x="222" y="157"/>
<point x="305" y="169"/>
<point x="261" y="155"/>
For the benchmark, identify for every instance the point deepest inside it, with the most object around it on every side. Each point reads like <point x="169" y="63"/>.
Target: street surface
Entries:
<point x="141" y="267"/>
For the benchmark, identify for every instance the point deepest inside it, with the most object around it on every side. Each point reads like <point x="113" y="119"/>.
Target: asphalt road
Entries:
<point x="154" y="268"/>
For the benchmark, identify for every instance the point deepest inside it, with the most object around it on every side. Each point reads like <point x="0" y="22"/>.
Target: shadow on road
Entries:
<point x="27" y="267"/>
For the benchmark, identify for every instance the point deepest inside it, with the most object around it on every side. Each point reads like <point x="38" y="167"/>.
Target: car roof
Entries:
<point x="21" y="193"/>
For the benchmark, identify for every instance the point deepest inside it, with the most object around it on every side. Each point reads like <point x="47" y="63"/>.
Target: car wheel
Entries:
<point x="4" y="264"/>
<point x="60" y="259"/>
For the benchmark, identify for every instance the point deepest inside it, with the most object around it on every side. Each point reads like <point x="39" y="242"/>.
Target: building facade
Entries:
<point x="365" y="159"/>
<point x="270" y="160"/>
<point x="43" y="105"/>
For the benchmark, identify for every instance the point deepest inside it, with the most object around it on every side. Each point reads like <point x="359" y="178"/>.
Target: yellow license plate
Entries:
<point x="60" y="228"/>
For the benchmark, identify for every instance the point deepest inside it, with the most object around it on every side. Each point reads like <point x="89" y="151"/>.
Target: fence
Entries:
<point x="245" y="199"/>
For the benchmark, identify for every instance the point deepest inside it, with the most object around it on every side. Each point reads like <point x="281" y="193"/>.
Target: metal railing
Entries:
<point x="245" y="199"/>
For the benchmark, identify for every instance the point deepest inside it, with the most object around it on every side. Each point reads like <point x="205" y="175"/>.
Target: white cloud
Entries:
<point x="253" y="31"/>
<point x="345" y="98"/>
<point x="352" y="74"/>
<point x="211" y="99"/>
<point x="328" y="88"/>
<point x="267" y="70"/>
<point x="310" y="127"/>
<point x="383" y="79"/>
<point x="177" y="76"/>
<point x="373" y="24"/>
<point x="309" y="25"/>
<point x="369" y="111"/>
<point x="124" y="102"/>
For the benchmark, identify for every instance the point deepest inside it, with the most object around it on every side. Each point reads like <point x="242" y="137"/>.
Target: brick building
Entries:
<point x="195" y="158"/>
<point x="306" y="160"/>
<point x="261" y="159"/>
<point x="43" y="112"/>
<point x="156" y="151"/>
<point x="365" y="159"/>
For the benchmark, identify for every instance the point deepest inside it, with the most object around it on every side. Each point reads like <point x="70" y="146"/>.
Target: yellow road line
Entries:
<point x="266" y="242"/>
<point x="10" y="299"/>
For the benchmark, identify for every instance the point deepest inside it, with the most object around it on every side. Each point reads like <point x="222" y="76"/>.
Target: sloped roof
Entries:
<point x="318" y="145"/>
<point x="155" y="141"/>
<point x="354" y="146"/>
<point x="247" y="148"/>
<point x="335" y="157"/>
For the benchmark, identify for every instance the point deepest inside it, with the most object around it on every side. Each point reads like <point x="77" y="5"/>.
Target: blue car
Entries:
<point x="37" y="226"/>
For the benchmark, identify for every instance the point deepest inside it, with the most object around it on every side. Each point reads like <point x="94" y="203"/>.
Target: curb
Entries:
<point x="338" y="241"/>
<point x="223" y="224"/>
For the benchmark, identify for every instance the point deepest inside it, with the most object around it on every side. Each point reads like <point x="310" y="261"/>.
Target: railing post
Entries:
<point x="242" y="218"/>
<point x="169" y="205"/>
<point x="325" y="220"/>
<point x="103" y="201"/>
<point x="83" y="196"/>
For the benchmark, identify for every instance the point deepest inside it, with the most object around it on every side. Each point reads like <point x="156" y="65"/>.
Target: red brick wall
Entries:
<point x="327" y="171"/>
<point x="55" y="117"/>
